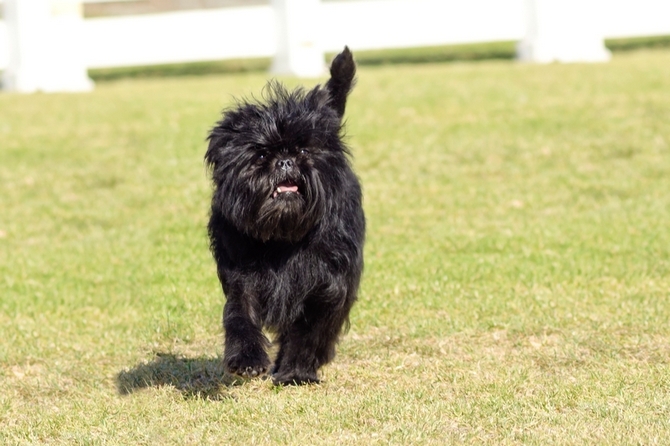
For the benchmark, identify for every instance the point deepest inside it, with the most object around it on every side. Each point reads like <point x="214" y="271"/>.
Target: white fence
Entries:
<point x="240" y="32"/>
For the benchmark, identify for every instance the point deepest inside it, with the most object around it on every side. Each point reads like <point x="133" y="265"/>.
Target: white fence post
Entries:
<point x="299" y="49"/>
<point x="44" y="39"/>
<point x="563" y="31"/>
<point x="25" y="23"/>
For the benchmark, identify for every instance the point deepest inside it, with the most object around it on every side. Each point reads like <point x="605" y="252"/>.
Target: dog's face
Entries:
<point x="277" y="164"/>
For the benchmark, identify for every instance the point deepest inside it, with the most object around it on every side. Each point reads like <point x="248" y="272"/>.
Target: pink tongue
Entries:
<point x="291" y="188"/>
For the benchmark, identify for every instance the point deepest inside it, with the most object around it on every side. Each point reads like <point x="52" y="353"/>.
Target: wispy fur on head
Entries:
<point x="250" y="138"/>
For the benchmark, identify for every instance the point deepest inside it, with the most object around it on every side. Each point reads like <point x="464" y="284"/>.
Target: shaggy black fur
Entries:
<point x="286" y="227"/>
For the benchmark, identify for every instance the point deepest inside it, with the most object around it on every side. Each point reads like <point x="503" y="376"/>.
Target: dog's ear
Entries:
<point x="218" y="138"/>
<point x="341" y="81"/>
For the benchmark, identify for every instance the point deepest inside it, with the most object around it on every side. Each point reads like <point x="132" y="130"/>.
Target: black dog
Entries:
<point x="287" y="227"/>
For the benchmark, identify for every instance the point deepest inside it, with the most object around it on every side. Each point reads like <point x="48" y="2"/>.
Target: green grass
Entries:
<point x="517" y="266"/>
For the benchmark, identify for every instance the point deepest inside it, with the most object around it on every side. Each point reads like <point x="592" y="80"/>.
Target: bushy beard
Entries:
<point x="274" y="207"/>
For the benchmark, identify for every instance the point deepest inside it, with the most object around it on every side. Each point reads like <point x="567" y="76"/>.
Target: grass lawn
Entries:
<point x="517" y="283"/>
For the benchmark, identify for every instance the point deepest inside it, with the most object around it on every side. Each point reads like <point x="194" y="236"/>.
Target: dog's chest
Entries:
<point x="283" y="286"/>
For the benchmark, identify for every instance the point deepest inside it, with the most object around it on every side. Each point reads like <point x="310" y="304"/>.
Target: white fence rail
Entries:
<point x="226" y="33"/>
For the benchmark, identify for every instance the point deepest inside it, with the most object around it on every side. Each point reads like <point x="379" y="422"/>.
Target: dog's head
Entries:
<point x="276" y="164"/>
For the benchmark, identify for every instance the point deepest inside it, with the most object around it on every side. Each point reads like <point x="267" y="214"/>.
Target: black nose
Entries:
<point x="285" y="164"/>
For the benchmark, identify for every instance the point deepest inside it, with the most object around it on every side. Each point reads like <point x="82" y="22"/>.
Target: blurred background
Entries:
<point x="57" y="45"/>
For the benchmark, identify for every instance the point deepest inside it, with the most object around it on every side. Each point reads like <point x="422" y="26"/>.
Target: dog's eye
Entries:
<point x="261" y="156"/>
<point x="304" y="151"/>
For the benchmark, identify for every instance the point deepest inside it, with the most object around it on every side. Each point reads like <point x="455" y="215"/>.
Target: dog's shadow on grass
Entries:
<point x="201" y="377"/>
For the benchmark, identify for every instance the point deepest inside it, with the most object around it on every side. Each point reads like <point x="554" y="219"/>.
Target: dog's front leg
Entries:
<point x="245" y="344"/>
<point x="309" y="342"/>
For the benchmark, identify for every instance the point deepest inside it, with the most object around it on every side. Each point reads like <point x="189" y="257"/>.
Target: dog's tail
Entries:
<point x="342" y="72"/>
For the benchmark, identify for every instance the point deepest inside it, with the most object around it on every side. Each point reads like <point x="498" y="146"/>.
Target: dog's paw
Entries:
<point x="294" y="379"/>
<point x="247" y="366"/>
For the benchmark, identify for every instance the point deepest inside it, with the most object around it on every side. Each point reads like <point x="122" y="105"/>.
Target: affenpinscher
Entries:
<point x="287" y="227"/>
